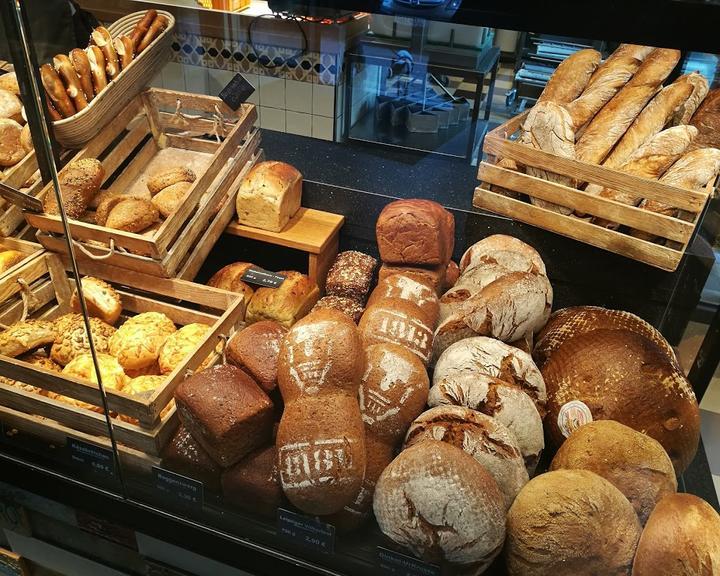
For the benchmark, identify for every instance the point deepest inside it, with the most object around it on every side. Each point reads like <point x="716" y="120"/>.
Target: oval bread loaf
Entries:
<point x="162" y="180"/>
<point x="484" y="252"/>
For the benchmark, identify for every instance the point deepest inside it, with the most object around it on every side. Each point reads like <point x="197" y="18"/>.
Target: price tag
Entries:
<point x="306" y="532"/>
<point x="262" y="277"/>
<point x="391" y="562"/>
<point x="237" y="91"/>
<point x="180" y="489"/>
<point x="89" y="456"/>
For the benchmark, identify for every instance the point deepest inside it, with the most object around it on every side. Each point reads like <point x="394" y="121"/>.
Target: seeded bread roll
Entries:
<point x="23" y="337"/>
<point x="405" y="288"/>
<point x="253" y="484"/>
<point x="178" y="346"/>
<point x="350" y="275"/>
<point x="101" y="299"/>
<point x="74" y="341"/>
<point x="269" y="196"/>
<point x="112" y="374"/>
<point x="287" y="304"/>
<point x="161" y="180"/>
<point x="170" y="198"/>
<point x="255" y="349"/>
<point x="137" y="343"/>
<point x="184" y="455"/>
<point x="571" y="76"/>
<point x="8" y="259"/>
<point x="80" y="180"/>
<point x="351" y="308"/>
<point x="132" y="214"/>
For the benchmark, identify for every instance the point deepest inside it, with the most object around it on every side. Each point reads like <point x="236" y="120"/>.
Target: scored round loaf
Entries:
<point x="631" y="461"/>
<point x="442" y="505"/>
<point x="570" y="522"/>
<point x="472" y="281"/>
<point x="322" y="352"/>
<point x="681" y="538"/>
<point x="482" y="355"/>
<point x="481" y="436"/>
<point x="399" y="322"/>
<point x="405" y="288"/>
<point x="620" y="375"/>
<point x="255" y="349"/>
<point x="483" y="252"/>
<point x="506" y="403"/>
<point x="230" y="278"/>
<point x="450" y="330"/>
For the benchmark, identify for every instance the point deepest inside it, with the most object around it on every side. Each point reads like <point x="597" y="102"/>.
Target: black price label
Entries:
<point x="396" y="564"/>
<point x="180" y="489"/>
<point x="262" y="277"/>
<point x="306" y="532"/>
<point x="237" y="91"/>
<point x="89" y="456"/>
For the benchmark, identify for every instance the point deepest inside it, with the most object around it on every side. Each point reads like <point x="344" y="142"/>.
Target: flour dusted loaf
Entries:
<point x="269" y="196"/>
<point x="184" y="455"/>
<point x="570" y="522"/>
<point x="226" y="412"/>
<point x="255" y="349"/>
<point x="415" y="232"/>
<point x="351" y="275"/>
<point x="137" y="343"/>
<point x="631" y="461"/>
<point x="253" y="484"/>
<point x="405" y="288"/>
<point x="433" y="276"/>
<point x="492" y="249"/>
<point x="442" y="505"/>
<point x="101" y="299"/>
<point x="292" y="300"/>
<point x="571" y="76"/>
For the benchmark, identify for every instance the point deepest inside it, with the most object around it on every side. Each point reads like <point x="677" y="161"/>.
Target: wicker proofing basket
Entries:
<point x="77" y="130"/>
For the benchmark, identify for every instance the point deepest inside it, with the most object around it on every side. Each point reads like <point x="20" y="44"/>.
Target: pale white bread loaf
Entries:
<point x="493" y="250"/>
<point x="688" y="108"/>
<point x="570" y="523"/>
<point x="575" y="320"/>
<point x="609" y="125"/>
<point x="442" y="505"/>
<point x="650" y="121"/>
<point x="506" y="403"/>
<point x="406" y="288"/>
<point x="571" y="76"/>
<point x="610" y="76"/>
<point x="269" y="196"/>
<point x="510" y="307"/>
<point x="620" y="375"/>
<point x="681" y="538"/>
<point x="449" y="331"/>
<point x="483" y="437"/>
<point x="482" y="355"/>
<point x="634" y="463"/>
<point x="548" y="127"/>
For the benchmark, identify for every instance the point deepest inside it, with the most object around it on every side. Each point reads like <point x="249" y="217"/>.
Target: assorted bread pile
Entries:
<point x="15" y="139"/>
<point x="72" y="81"/>
<point x="618" y="114"/>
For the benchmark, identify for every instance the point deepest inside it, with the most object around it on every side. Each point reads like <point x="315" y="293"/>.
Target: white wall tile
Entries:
<point x="254" y="79"/>
<point x="272" y="119"/>
<point x="298" y="123"/>
<point x="173" y="76"/>
<point x="298" y="96"/>
<point x="323" y="100"/>
<point x="322" y="127"/>
<point x="272" y="92"/>
<point x="218" y="79"/>
<point x="196" y="79"/>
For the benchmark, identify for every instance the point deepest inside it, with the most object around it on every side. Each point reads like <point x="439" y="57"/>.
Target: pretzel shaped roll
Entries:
<point x="97" y="68"/>
<point x="157" y="26"/>
<point x="141" y="28"/>
<point x="81" y="64"/>
<point x="56" y="90"/>
<point x="70" y="79"/>
<point x="102" y="39"/>
<point x="125" y="50"/>
<point x="52" y="111"/>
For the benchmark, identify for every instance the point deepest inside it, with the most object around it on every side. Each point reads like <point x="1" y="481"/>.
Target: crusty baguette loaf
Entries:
<point x="613" y="120"/>
<point x="612" y="75"/>
<point x="688" y="108"/>
<point x="650" y="121"/>
<point x="707" y="121"/>
<point x="571" y="76"/>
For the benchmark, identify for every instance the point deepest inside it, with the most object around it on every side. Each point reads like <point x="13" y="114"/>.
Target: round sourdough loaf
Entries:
<point x="506" y="403"/>
<point x="451" y="330"/>
<point x="452" y="273"/>
<point x="405" y="288"/>
<point x="400" y="322"/>
<point x="481" y="355"/>
<point x="681" y="538"/>
<point x="481" y="436"/>
<point x="620" y="375"/>
<point x="631" y="461"/>
<point x="570" y="523"/>
<point x="485" y="251"/>
<point x="441" y="504"/>
<point x="321" y="352"/>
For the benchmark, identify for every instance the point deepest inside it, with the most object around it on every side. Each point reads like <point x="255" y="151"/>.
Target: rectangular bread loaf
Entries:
<point x="186" y="456"/>
<point x="351" y="275"/>
<point x="434" y="276"/>
<point x="253" y="484"/>
<point x="287" y="304"/>
<point x="269" y="196"/>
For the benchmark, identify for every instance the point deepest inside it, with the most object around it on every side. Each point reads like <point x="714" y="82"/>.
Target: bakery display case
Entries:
<point x="292" y="350"/>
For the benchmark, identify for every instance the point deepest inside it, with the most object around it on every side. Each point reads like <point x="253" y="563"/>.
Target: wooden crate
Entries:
<point x="675" y="233"/>
<point x="31" y="250"/>
<point x="11" y="216"/>
<point x="125" y="147"/>
<point x="184" y="302"/>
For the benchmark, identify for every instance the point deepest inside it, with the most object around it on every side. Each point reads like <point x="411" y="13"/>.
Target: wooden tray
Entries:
<point x="674" y="232"/>
<point x="80" y="128"/>
<point x="10" y="276"/>
<point x="11" y="216"/>
<point x="182" y="301"/>
<point x="126" y="146"/>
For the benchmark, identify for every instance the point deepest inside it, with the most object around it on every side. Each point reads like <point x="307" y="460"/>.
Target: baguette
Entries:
<point x="571" y="76"/>
<point x="688" y="108"/>
<point x="102" y="39"/>
<point x="97" y="68"/>
<point x="612" y="75"/>
<point x="70" y="79"/>
<point x="650" y="121"/>
<point x="81" y="65"/>
<point x="707" y="121"/>
<point x="141" y="28"/>
<point x="613" y="120"/>
<point x="56" y="91"/>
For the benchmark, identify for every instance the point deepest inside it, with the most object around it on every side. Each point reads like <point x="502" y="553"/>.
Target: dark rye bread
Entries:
<point x="255" y="349"/>
<point x="253" y="484"/>
<point x="351" y="275"/>
<point x="184" y="455"/>
<point x="351" y="308"/>
<point x="226" y="412"/>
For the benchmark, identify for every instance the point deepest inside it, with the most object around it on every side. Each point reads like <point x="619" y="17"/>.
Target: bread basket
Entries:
<point x="77" y="130"/>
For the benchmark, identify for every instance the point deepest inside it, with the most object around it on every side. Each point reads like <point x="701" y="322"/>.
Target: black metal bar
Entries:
<point x="20" y="198"/>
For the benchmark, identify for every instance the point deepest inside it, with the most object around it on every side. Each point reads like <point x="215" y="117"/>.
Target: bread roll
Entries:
<point x="79" y="181"/>
<point x="101" y="299"/>
<point x="481" y="436"/>
<point x="178" y="346"/>
<point x="256" y="349"/>
<point x="613" y="120"/>
<point x="8" y="259"/>
<point x="74" y="340"/>
<point x="681" y="538"/>
<point x="10" y="107"/>
<point x="620" y="375"/>
<point x="442" y="505"/>
<point x="83" y="367"/>
<point x="9" y="82"/>
<point x="170" y="198"/>
<point x="23" y="337"/>
<point x="700" y="89"/>
<point x="571" y="77"/>
<point x="269" y="196"/>
<point x="137" y="343"/>
<point x="568" y="523"/>
<point x="286" y="304"/>
<point x="11" y="148"/>
<point x="351" y="308"/>
<point x="161" y="180"/>
<point x="405" y="288"/>
<point x="707" y="121"/>
<point x="499" y="249"/>
<point x="132" y="214"/>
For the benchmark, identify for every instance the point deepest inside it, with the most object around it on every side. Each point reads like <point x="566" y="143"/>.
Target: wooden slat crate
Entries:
<point x="125" y="147"/>
<point x="181" y="301"/>
<point x="31" y="250"/>
<point x="674" y="233"/>
<point x="11" y="217"/>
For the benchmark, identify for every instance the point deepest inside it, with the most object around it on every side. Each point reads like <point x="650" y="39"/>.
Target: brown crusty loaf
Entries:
<point x="452" y="273"/>
<point x="442" y="505"/>
<point x="481" y="436"/>
<point x="230" y="278"/>
<point x="707" y="121"/>
<point x="571" y="77"/>
<point x="415" y="232"/>
<point x="620" y="375"/>
<point x="700" y="89"/>
<point x="101" y="299"/>
<point x="292" y="300"/>
<point x="451" y="329"/>
<point x="350" y="275"/>
<point x="170" y="198"/>
<point x="681" y="538"/>
<point x="132" y="214"/>
<point x="348" y="306"/>
<point x="405" y="288"/>
<point x="184" y="455"/>
<point x="433" y="276"/>
<point x="613" y="120"/>
<point x="255" y="349"/>
<point x="253" y="484"/>
<point x="570" y="522"/>
<point x="80" y="180"/>
<point x="11" y="147"/>
<point x="496" y="248"/>
<point x="631" y="461"/>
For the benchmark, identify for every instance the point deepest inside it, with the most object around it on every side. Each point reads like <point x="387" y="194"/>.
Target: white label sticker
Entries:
<point x="573" y="415"/>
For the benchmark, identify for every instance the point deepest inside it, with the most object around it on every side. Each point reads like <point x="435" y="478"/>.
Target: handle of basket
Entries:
<point x="92" y="256"/>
